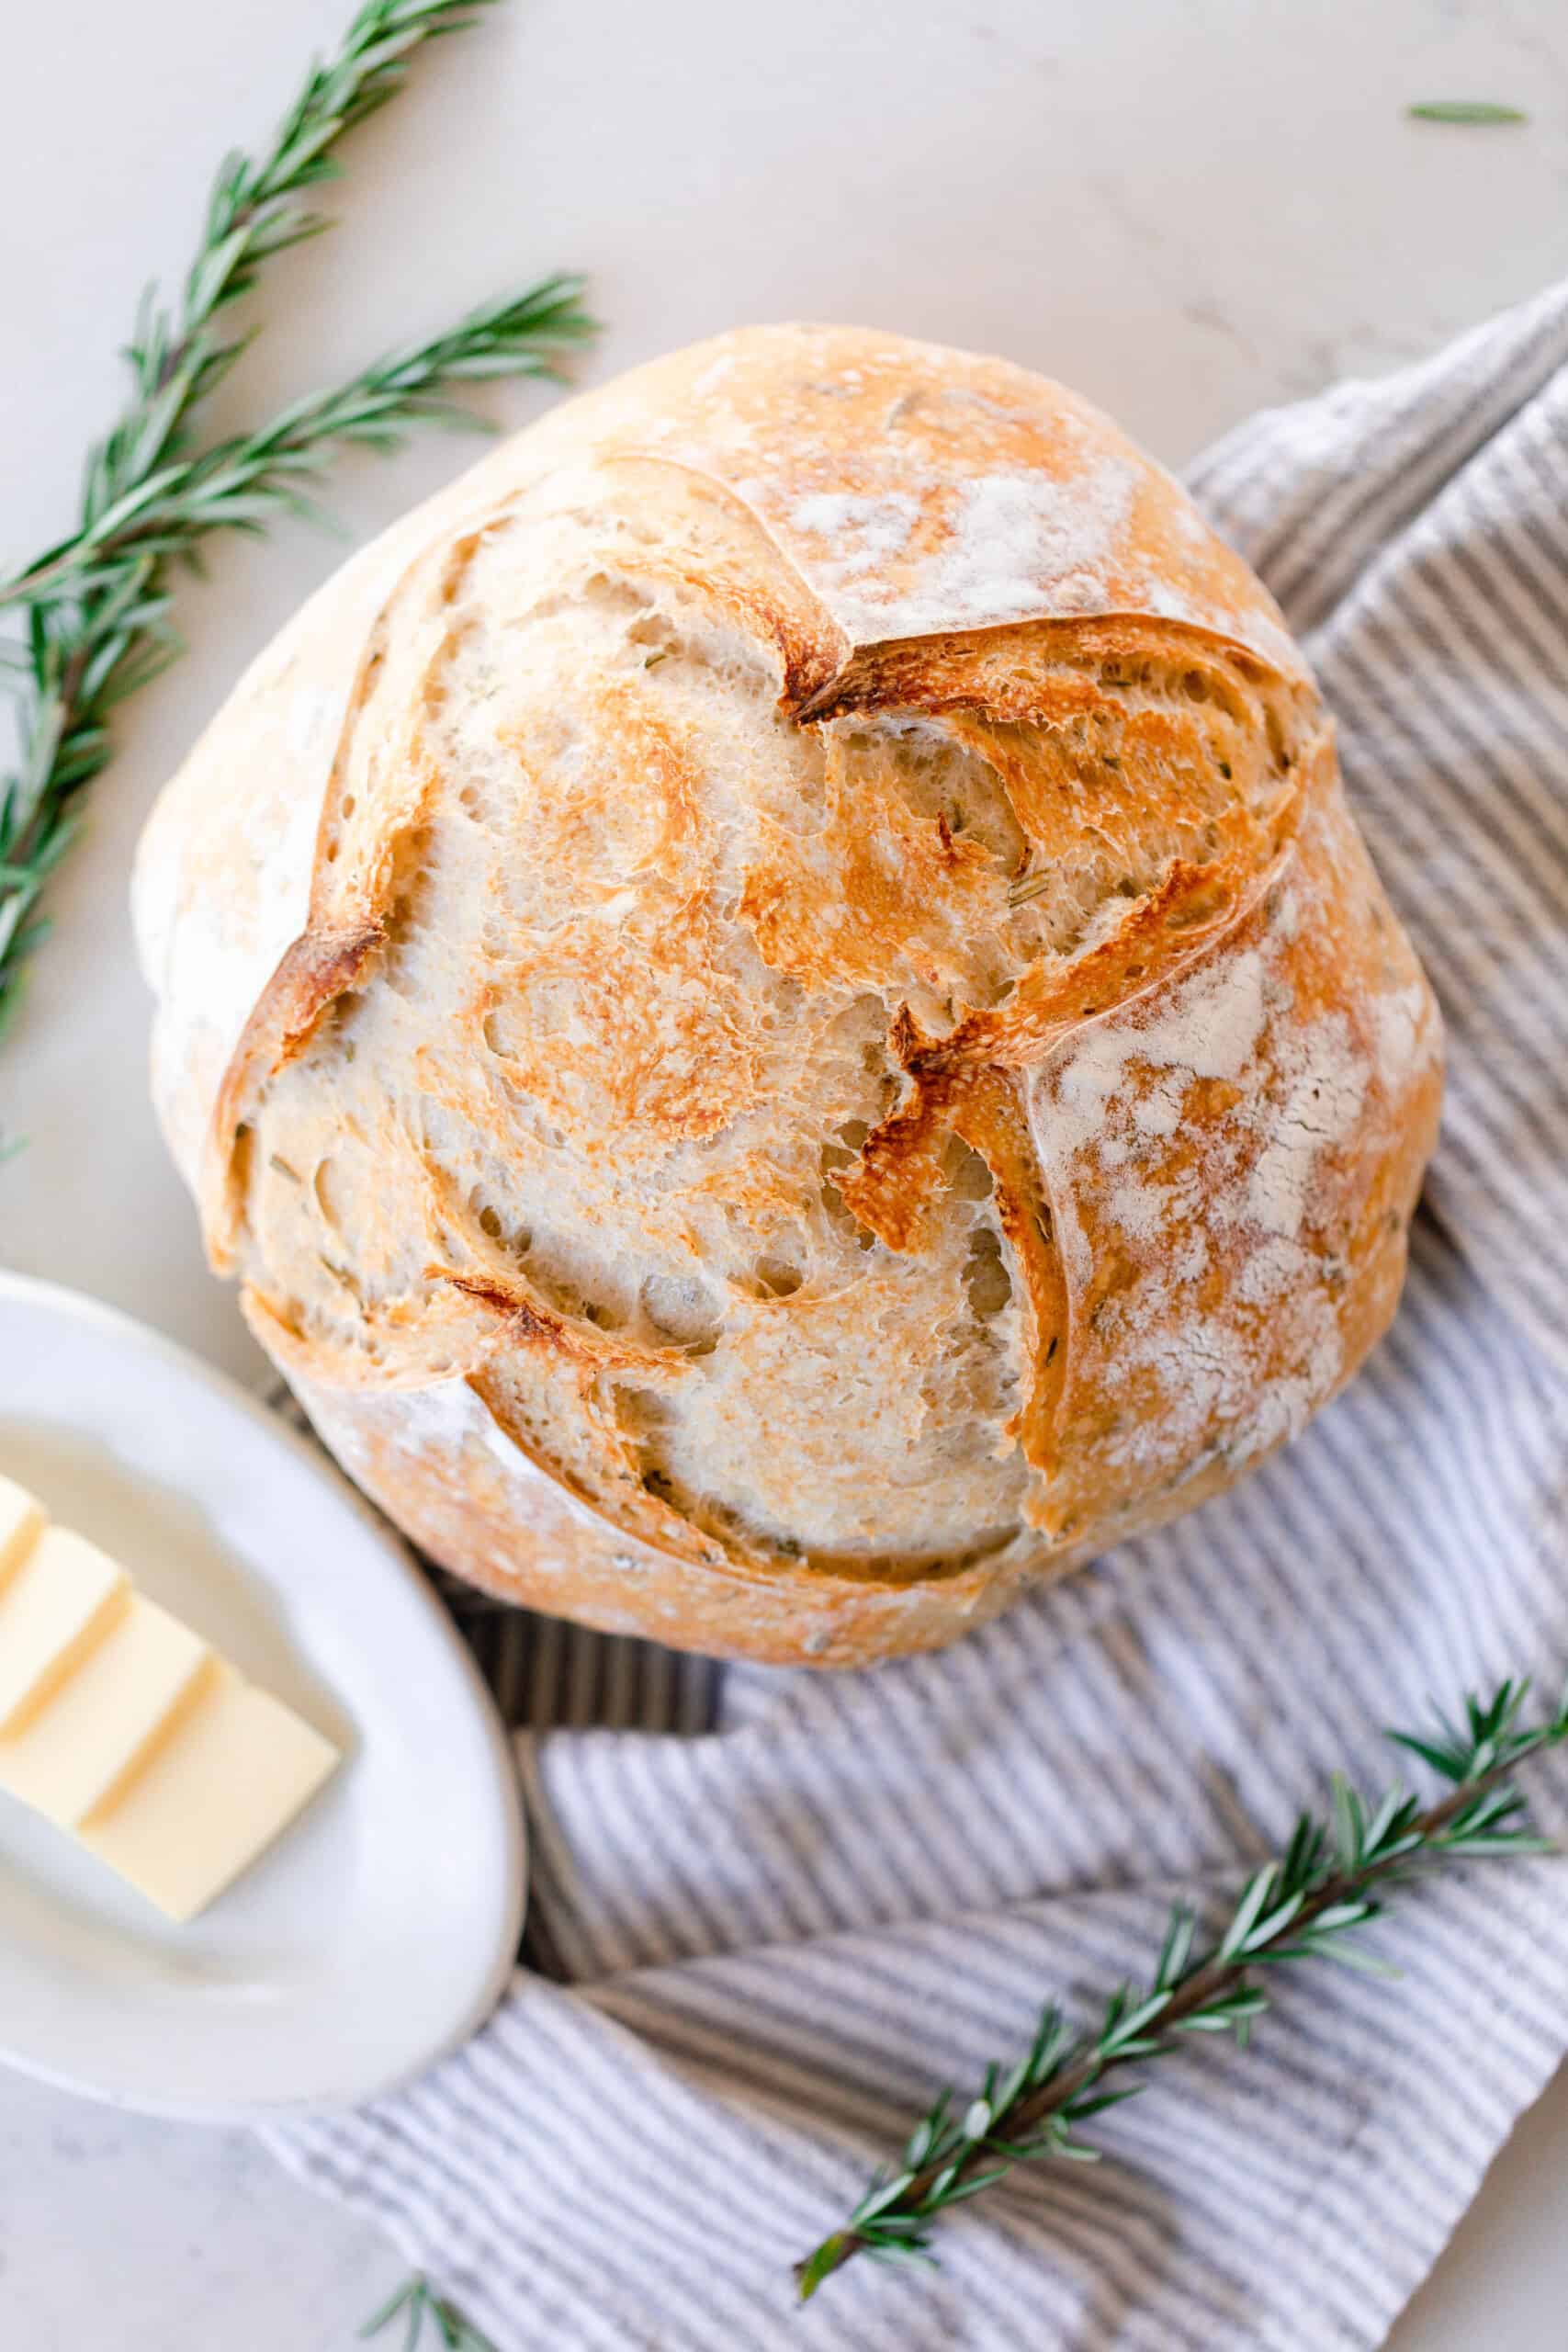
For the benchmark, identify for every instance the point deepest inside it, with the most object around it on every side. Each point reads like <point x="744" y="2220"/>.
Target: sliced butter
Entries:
<point x="105" y="1717"/>
<point x="53" y="1609"/>
<point x="235" y="1768"/>
<point x="21" y="1523"/>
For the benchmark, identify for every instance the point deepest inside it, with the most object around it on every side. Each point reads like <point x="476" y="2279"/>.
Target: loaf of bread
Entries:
<point x="775" y="1004"/>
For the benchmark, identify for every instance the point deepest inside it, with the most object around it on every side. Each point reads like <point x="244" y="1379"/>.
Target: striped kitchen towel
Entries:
<point x="772" y="1913"/>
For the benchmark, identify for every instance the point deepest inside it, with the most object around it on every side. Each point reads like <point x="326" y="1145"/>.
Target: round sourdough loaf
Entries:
<point x="775" y="1004"/>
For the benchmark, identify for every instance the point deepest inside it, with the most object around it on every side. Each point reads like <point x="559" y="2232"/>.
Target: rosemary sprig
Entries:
<point x="1303" y="1906"/>
<point x="416" y="2301"/>
<point x="94" y="608"/>
<point x="241" y="485"/>
<point x="177" y="357"/>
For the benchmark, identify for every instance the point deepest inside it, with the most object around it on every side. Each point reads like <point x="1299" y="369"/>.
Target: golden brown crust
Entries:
<point x="921" y="1085"/>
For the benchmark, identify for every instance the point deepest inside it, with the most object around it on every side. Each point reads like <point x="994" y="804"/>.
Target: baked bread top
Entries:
<point x="775" y="1004"/>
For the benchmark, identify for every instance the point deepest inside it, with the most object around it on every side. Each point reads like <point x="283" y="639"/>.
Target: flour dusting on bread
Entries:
<point x="1002" y="535"/>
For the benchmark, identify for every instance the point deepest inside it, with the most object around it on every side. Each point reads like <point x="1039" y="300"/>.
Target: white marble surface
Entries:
<point x="1184" y="207"/>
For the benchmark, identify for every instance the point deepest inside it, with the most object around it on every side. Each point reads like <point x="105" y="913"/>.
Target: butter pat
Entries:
<point x="53" y="1608"/>
<point x="120" y="1723"/>
<point x="104" y="1719"/>
<point x="235" y="1768"/>
<point x="21" y="1525"/>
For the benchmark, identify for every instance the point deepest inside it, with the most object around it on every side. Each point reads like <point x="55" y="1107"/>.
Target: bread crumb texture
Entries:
<point x="777" y="1007"/>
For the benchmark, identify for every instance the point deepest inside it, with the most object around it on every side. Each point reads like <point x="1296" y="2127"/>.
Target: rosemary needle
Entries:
<point x="1475" y="110"/>
<point x="416" y="2304"/>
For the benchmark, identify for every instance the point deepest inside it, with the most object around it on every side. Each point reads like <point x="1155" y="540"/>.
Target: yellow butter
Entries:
<point x="104" y="1717"/>
<point x="235" y="1768"/>
<point x="22" y="1520"/>
<point x="53" y="1608"/>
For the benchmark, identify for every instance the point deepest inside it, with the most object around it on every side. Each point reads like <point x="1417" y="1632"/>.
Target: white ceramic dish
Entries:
<point x="382" y="1928"/>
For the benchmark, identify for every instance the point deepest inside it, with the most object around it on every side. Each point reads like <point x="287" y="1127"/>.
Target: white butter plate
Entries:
<point x="382" y="1928"/>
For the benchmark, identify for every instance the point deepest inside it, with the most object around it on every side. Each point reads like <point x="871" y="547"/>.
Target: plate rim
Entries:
<point x="78" y="1306"/>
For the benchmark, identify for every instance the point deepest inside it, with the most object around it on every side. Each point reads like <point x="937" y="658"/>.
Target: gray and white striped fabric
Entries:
<point x="772" y="1913"/>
